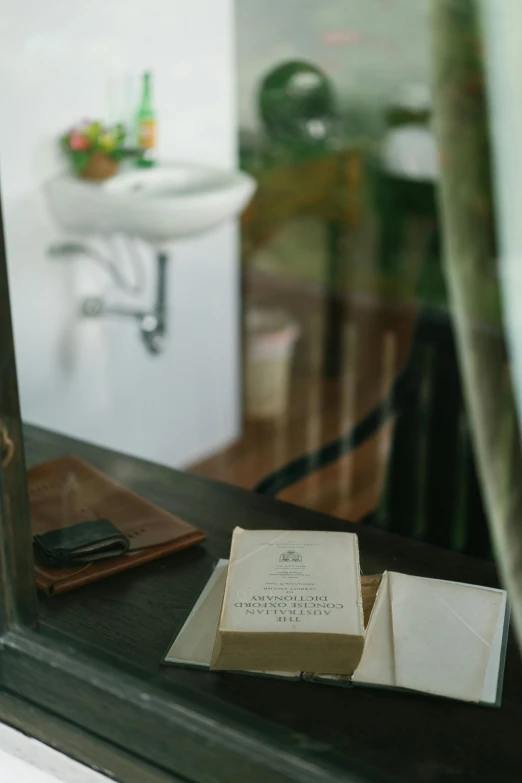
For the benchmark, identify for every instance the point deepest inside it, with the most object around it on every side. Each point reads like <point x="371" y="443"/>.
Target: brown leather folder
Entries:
<point x="68" y="490"/>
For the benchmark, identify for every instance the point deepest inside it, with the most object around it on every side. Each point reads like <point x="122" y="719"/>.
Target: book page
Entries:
<point x="493" y="673"/>
<point x="377" y="666"/>
<point x="437" y="637"/>
<point x="281" y="581"/>
<point x="443" y="634"/>
<point x="195" y="642"/>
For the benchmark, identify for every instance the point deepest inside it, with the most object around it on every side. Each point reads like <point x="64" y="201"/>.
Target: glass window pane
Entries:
<point x="225" y="229"/>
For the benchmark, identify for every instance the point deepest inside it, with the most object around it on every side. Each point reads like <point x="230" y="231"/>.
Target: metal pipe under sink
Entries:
<point x="153" y="323"/>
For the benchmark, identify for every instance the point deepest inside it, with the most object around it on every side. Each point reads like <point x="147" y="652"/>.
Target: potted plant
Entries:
<point x="94" y="149"/>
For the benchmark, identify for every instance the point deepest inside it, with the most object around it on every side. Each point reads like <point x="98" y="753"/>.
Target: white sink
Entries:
<point x="167" y="202"/>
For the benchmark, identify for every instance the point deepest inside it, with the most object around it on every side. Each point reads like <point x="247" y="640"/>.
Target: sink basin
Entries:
<point x="167" y="202"/>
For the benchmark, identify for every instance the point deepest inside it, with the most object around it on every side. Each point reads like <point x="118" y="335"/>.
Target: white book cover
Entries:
<point x="302" y="581"/>
<point x="437" y="637"/>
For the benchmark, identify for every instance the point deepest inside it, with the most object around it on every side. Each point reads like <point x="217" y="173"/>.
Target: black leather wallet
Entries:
<point x="84" y="542"/>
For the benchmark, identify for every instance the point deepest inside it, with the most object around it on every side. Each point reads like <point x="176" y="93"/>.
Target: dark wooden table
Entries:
<point x="387" y="735"/>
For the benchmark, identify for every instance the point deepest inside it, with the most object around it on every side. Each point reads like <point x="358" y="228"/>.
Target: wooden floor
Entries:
<point x="376" y="338"/>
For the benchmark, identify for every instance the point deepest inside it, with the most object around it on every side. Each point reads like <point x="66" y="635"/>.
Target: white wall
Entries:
<point x="94" y="380"/>
<point x="368" y="47"/>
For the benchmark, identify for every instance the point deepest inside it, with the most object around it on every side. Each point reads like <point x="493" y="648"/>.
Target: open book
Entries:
<point x="442" y="638"/>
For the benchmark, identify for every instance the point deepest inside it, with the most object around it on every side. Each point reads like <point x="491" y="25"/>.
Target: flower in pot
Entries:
<point x="94" y="149"/>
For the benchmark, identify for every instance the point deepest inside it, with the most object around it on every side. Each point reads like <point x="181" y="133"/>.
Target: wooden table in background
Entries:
<point x="329" y="186"/>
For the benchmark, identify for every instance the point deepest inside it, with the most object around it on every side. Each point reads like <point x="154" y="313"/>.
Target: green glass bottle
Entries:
<point x="146" y="125"/>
